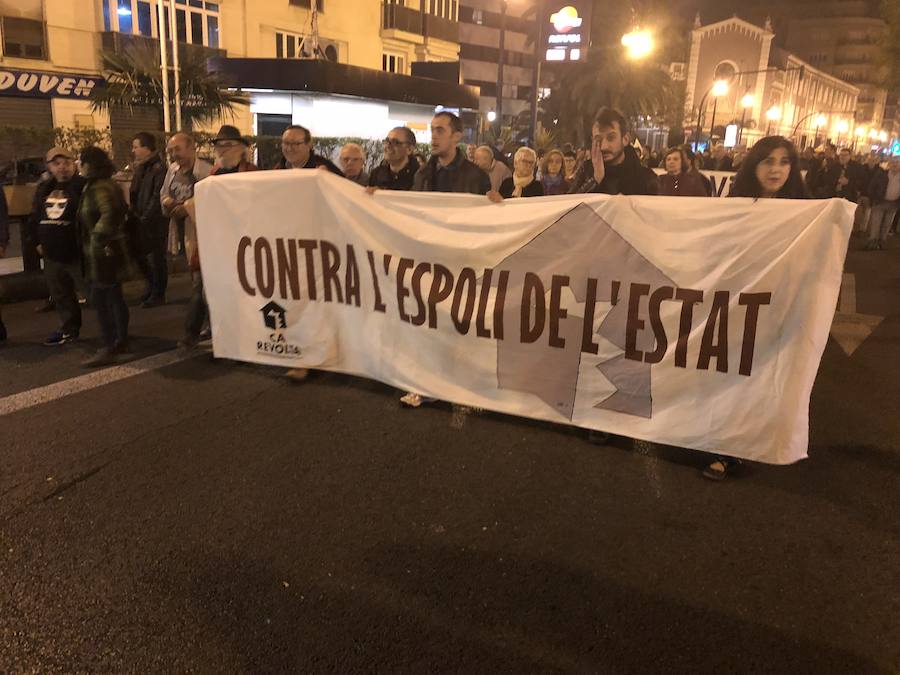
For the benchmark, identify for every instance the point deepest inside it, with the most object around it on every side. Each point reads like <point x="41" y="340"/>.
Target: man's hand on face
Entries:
<point x="597" y="160"/>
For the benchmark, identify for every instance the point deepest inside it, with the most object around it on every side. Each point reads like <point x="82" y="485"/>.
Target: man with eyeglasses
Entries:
<point x="296" y="150"/>
<point x="399" y="167"/>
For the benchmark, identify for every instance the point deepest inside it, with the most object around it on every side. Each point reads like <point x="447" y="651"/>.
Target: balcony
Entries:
<point x="402" y="20"/>
<point x="117" y="42"/>
<point x="441" y="29"/>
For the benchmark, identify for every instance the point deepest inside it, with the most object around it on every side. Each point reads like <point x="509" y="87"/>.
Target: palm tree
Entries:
<point x="134" y="79"/>
<point x="607" y="78"/>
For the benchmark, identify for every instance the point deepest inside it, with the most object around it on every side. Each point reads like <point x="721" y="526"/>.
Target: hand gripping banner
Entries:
<point x="693" y="322"/>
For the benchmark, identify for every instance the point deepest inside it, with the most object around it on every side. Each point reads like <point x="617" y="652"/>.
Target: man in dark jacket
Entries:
<point x="297" y="152"/>
<point x="151" y="225"/>
<point x="448" y="170"/>
<point x="884" y="192"/>
<point x="399" y="167"/>
<point x="841" y="179"/>
<point x="614" y="167"/>
<point x="53" y="230"/>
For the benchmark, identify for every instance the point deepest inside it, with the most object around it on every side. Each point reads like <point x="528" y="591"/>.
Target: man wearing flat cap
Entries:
<point x="52" y="229"/>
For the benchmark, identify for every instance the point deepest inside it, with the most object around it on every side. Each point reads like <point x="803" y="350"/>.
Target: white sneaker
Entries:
<point x="411" y="400"/>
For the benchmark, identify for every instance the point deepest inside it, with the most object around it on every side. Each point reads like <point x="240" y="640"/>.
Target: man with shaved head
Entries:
<point x="498" y="171"/>
<point x="186" y="169"/>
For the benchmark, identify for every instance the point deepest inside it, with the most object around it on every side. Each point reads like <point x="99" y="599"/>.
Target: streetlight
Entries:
<point x="821" y="121"/>
<point x="773" y="114"/>
<point x="843" y="126"/>
<point x="719" y="88"/>
<point x="639" y="44"/>
<point x="503" y="6"/>
<point x="748" y="101"/>
<point x="882" y="136"/>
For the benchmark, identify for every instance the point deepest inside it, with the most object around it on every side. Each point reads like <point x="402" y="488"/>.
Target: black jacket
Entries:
<point x="382" y="177"/>
<point x="628" y="178"/>
<point x="878" y="186"/>
<point x="467" y="177"/>
<point x="152" y="224"/>
<point x="533" y="189"/>
<point x="827" y="185"/>
<point x="53" y="220"/>
<point x="314" y="162"/>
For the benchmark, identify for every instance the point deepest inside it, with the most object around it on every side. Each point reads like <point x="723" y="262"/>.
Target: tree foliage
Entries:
<point x="607" y="78"/>
<point x="134" y="79"/>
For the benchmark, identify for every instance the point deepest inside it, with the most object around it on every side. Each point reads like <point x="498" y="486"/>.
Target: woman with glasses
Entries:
<point x="522" y="183"/>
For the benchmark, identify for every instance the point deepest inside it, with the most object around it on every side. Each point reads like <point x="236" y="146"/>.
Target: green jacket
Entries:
<point x="101" y="215"/>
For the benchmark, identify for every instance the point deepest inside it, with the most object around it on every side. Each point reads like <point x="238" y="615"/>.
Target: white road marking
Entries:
<point x="848" y="328"/>
<point x="92" y="380"/>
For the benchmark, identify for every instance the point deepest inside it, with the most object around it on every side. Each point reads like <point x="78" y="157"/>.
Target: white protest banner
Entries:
<point x="672" y="319"/>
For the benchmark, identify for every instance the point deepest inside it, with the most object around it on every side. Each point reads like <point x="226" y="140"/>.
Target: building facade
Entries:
<point x="839" y="37"/>
<point x="766" y="90"/>
<point x="46" y="43"/>
<point x="480" y="23"/>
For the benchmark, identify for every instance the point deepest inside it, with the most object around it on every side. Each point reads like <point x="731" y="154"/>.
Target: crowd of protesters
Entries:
<point x="91" y="239"/>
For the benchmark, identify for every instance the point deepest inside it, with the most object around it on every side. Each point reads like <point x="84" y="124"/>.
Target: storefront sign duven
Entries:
<point x="37" y="84"/>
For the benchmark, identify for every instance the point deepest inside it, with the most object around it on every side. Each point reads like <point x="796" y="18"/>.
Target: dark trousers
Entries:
<point x="112" y="313"/>
<point x="63" y="279"/>
<point x="155" y="268"/>
<point x="198" y="310"/>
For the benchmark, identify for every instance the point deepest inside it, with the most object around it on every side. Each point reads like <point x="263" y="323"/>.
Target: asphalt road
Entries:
<point x="216" y="517"/>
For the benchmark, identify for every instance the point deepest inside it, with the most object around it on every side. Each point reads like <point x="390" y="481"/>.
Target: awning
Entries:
<point x="328" y="77"/>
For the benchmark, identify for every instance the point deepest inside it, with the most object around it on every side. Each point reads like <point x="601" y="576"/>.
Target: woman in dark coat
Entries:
<point x="771" y="170"/>
<point x="101" y="217"/>
<point x="680" y="180"/>
<point x="553" y="179"/>
<point x="522" y="183"/>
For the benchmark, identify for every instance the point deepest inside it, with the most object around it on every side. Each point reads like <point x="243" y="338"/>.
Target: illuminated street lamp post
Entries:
<point x="639" y="44"/>
<point x="821" y="120"/>
<point x="748" y="101"/>
<point x="773" y="114"/>
<point x="719" y="88"/>
<point x="503" y="6"/>
<point x="843" y="126"/>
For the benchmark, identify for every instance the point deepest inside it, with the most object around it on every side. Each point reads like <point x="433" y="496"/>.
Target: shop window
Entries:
<point x="24" y="38"/>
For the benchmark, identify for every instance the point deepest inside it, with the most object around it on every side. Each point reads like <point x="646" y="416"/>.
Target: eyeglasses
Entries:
<point x="394" y="142"/>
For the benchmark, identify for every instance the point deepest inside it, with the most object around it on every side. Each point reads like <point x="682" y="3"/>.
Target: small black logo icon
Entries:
<point x="273" y="315"/>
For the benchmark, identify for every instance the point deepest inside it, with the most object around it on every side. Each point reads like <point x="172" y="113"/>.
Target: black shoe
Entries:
<point x="187" y="343"/>
<point x="2" y="332"/>
<point x="60" y="338"/>
<point x="48" y="306"/>
<point x="153" y="302"/>
<point x="103" y="357"/>
<point x="122" y="347"/>
<point x="598" y="437"/>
